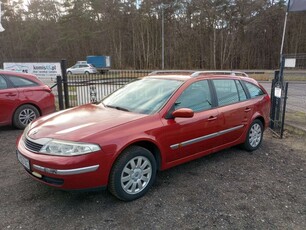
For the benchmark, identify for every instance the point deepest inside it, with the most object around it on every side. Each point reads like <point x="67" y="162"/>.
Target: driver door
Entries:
<point x="188" y="137"/>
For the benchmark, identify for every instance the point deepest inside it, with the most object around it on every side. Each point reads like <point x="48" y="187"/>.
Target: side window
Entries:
<point x="3" y="83"/>
<point x="21" y="82"/>
<point x="195" y="97"/>
<point x="253" y="90"/>
<point x="226" y="91"/>
<point x="241" y="93"/>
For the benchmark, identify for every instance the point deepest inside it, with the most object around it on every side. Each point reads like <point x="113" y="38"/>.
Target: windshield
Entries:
<point x="142" y="96"/>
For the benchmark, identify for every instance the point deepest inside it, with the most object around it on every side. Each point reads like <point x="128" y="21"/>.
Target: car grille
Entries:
<point x="32" y="146"/>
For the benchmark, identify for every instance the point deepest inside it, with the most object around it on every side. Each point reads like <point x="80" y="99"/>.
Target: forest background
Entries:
<point x="198" y="34"/>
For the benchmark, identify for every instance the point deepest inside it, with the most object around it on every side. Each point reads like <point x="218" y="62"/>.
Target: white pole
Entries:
<point x="284" y="32"/>
<point x="1" y="27"/>
<point x="282" y="61"/>
<point x="283" y="38"/>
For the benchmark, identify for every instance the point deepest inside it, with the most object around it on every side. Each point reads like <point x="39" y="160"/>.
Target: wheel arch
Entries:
<point x="153" y="149"/>
<point x="149" y="145"/>
<point x="261" y="119"/>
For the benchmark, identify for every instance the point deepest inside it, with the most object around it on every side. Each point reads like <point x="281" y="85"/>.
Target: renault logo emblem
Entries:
<point x="34" y="132"/>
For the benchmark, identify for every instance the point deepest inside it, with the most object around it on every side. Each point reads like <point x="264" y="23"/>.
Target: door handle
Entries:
<point x="247" y="110"/>
<point x="212" y="118"/>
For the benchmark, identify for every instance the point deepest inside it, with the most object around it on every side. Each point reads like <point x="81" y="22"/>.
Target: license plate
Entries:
<point x="24" y="161"/>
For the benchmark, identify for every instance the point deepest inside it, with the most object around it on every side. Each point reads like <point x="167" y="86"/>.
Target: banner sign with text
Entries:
<point x="40" y="69"/>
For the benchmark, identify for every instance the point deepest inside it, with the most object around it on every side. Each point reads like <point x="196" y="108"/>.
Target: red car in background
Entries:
<point x="151" y="124"/>
<point x="23" y="98"/>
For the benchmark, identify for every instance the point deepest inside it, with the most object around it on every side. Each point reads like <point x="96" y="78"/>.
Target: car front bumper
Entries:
<point x="81" y="172"/>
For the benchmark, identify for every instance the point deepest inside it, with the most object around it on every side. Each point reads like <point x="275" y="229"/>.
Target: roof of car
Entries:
<point x="186" y="74"/>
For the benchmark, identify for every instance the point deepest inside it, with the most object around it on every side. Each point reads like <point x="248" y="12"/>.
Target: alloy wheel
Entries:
<point x="136" y="175"/>
<point x="255" y="135"/>
<point x="26" y="116"/>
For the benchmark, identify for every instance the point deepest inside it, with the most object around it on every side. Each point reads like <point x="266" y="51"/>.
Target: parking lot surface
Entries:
<point x="232" y="189"/>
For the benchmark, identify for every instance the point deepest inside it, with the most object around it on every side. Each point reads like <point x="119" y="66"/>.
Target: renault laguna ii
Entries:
<point x="154" y="123"/>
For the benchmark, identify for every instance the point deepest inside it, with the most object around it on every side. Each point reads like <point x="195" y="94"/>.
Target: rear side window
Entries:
<point x="3" y="84"/>
<point x="226" y="90"/>
<point x="254" y="90"/>
<point x="21" y="82"/>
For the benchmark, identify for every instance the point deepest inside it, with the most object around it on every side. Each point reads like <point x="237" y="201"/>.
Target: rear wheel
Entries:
<point x="69" y="73"/>
<point x="86" y="72"/>
<point x="24" y="115"/>
<point x="132" y="174"/>
<point x="254" y="136"/>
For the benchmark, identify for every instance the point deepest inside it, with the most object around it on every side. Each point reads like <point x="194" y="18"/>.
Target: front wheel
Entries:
<point x="254" y="136"/>
<point x="133" y="173"/>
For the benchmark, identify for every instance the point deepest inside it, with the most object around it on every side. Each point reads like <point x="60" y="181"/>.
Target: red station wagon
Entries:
<point x="23" y="98"/>
<point x="151" y="124"/>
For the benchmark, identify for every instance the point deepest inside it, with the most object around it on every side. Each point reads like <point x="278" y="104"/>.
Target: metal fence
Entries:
<point x="279" y="91"/>
<point x="91" y="88"/>
<point x="288" y="104"/>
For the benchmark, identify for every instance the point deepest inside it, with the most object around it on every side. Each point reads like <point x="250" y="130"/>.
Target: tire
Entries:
<point x="24" y="115"/>
<point x="132" y="174"/>
<point x="69" y="73"/>
<point x="254" y="136"/>
<point x="86" y="72"/>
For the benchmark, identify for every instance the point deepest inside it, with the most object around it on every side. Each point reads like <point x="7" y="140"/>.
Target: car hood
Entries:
<point x="78" y="123"/>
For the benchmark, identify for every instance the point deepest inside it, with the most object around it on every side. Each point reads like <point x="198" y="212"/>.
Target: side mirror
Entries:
<point x="183" y="113"/>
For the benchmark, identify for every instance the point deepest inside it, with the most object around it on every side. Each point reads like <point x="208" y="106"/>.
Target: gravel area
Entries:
<point x="232" y="189"/>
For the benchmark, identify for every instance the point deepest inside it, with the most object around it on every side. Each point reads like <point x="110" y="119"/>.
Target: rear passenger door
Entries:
<point x="234" y="107"/>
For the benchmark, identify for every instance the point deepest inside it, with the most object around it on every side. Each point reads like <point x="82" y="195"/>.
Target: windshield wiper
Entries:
<point x="117" y="107"/>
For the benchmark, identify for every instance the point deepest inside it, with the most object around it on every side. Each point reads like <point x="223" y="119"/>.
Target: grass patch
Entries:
<point x="297" y="117"/>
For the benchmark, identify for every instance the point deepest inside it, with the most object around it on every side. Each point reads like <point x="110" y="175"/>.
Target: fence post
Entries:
<point x="60" y="92"/>
<point x="64" y="74"/>
<point x="272" y="111"/>
<point x="284" y="110"/>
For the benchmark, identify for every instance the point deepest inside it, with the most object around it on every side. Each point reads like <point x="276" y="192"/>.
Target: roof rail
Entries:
<point x="163" y="72"/>
<point x="221" y="72"/>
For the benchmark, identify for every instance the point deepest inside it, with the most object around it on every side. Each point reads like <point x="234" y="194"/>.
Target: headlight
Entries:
<point x="67" y="148"/>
